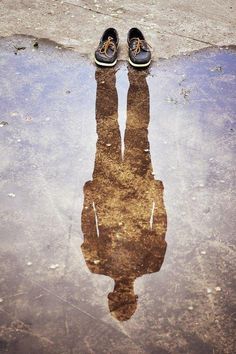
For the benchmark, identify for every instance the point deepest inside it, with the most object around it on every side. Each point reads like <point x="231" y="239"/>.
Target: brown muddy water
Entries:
<point x="117" y="203"/>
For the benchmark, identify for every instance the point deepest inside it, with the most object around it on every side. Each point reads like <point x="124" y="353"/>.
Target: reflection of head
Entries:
<point x="122" y="301"/>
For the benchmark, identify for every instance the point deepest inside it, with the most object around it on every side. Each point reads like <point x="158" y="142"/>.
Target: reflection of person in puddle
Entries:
<point x="124" y="219"/>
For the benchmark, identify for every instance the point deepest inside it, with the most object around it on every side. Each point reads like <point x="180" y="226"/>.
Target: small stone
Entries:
<point x="217" y="68"/>
<point x="108" y="145"/>
<point x="29" y="264"/>
<point x="209" y="291"/>
<point x="203" y="252"/>
<point x="217" y="288"/>
<point x="185" y="92"/>
<point x="11" y="195"/>
<point x="171" y="100"/>
<point x="1" y="299"/>
<point x="190" y="308"/>
<point x="54" y="266"/>
<point x="146" y="150"/>
<point x="96" y="261"/>
<point x="3" y="124"/>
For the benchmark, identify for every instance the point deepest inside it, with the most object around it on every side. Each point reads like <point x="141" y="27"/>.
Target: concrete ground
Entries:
<point x="171" y="27"/>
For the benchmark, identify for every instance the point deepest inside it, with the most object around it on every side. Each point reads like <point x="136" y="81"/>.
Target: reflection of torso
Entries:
<point x="128" y="240"/>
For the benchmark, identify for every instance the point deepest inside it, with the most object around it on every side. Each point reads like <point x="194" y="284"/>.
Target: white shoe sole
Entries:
<point x="105" y="64"/>
<point x="140" y="65"/>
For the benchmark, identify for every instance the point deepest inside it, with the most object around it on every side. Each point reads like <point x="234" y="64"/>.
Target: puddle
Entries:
<point x="117" y="223"/>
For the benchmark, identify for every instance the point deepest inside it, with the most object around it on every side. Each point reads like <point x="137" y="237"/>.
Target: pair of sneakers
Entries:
<point x="138" y="49"/>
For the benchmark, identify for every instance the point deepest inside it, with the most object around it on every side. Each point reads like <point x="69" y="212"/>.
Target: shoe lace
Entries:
<point x="109" y="43"/>
<point x="139" y="43"/>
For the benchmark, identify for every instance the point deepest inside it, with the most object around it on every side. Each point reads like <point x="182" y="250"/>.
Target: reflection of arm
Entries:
<point x="159" y="214"/>
<point x="155" y="245"/>
<point x="159" y="227"/>
<point x="156" y="257"/>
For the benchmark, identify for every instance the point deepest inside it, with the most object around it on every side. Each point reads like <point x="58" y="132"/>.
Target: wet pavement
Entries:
<point x="117" y="203"/>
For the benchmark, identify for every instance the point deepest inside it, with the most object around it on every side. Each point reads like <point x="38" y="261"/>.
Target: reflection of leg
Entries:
<point x="137" y="154"/>
<point x="108" y="150"/>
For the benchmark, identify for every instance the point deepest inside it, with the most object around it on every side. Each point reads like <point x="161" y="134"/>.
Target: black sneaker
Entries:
<point x="139" y="49"/>
<point x="106" y="52"/>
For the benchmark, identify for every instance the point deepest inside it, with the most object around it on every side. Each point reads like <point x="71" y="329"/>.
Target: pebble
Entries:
<point x="203" y="252"/>
<point x="96" y="261"/>
<point x="29" y="263"/>
<point x="209" y="291"/>
<point x="53" y="266"/>
<point x="1" y="299"/>
<point x="3" y="124"/>
<point x="190" y="308"/>
<point x="108" y="145"/>
<point x="217" y="68"/>
<point x="11" y="195"/>
<point x="217" y="288"/>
